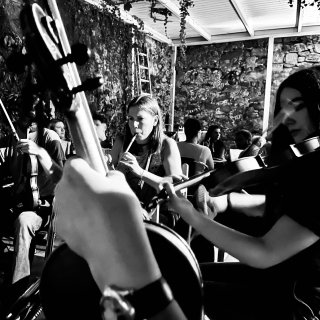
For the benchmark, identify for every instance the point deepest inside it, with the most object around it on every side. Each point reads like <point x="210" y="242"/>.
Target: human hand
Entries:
<point x="100" y="219"/>
<point x="28" y="146"/>
<point x="128" y="160"/>
<point x="178" y="203"/>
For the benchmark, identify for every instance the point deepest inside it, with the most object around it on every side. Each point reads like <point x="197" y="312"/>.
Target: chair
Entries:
<point x="191" y="167"/>
<point x="194" y="167"/>
<point x="43" y="240"/>
<point x="44" y="237"/>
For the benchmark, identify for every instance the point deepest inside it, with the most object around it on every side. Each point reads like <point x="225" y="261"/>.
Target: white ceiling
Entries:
<point x="213" y="21"/>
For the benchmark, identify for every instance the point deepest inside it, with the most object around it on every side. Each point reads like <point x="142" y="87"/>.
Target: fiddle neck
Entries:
<point x="84" y="135"/>
<point x="80" y="123"/>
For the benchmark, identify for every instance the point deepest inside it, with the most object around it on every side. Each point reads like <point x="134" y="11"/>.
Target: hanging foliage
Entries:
<point x="185" y="6"/>
<point x="164" y="12"/>
<point x="306" y="3"/>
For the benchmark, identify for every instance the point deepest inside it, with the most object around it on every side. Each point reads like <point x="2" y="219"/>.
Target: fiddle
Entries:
<point x="298" y="156"/>
<point x="66" y="280"/>
<point x="216" y="178"/>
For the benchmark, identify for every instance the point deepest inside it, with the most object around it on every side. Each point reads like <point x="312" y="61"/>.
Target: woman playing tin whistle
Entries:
<point x="149" y="158"/>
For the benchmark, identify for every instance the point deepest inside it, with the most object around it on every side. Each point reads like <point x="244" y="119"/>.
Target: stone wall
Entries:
<point x="292" y="54"/>
<point x="224" y="84"/>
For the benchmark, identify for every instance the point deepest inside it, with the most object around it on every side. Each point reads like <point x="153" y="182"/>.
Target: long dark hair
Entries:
<point x="307" y="82"/>
<point x="149" y="104"/>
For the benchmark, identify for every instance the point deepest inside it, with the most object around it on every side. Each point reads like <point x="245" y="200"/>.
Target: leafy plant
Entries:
<point x="306" y="3"/>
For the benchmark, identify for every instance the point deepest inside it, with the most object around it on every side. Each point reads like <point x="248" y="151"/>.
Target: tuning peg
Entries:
<point x="80" y="54"/>
<point x="17" y="62"/>
<point x="89" y="84"/>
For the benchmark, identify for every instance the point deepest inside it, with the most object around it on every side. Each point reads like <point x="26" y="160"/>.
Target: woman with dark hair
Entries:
<point x="58" y="126"/>
<point x="213" y="140"/>
<point x="152" y="155"/>
<point x="278" y="273"/>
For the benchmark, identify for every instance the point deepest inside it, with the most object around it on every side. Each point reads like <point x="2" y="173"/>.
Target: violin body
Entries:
<point x="67" y="283"/>
<point x="29" y="196"/>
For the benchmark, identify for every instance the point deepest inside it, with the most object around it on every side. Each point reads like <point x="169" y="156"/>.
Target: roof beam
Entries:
<point x="192" y="23"/>
<point x="242" y="17"/>
<point x="299" y="16"/>
<point x="242" y="36"/>
<point x="127" y="18"/>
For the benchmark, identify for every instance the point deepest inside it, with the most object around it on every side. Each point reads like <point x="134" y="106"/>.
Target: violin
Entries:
<point x="66" y="280"/>
<point x="252" y="171"/>
<point x="245" y="172"/>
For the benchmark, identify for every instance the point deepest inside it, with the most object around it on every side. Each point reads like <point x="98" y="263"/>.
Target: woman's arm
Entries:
<point x="171" y="158"/>
<point x="171" y="164"/>
<point x="249" y="204"/>
<point x="285" y="239"/>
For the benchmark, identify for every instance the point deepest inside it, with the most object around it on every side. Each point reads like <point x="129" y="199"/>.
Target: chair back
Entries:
<point x="194" y="167"/>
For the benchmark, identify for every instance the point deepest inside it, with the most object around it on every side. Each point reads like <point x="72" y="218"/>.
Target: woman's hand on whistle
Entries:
<point x="130" y="162"/>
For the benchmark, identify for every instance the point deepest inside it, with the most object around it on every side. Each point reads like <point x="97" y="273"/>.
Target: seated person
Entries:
<point x="213" y="140"/>
<point x="29" y="213"/>
<point x="190" y="148"/>
<point x="243" y="139"/>
<point x="277" y="276"/>
<point x="100" y="123"/>
<point x="144" y="153"/>
<point x="59" y="127"/>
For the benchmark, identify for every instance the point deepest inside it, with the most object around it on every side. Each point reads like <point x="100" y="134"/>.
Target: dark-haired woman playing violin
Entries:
<point x="278" y="274"/>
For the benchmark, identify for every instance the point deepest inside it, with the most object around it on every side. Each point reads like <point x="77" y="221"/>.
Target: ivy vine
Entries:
<point x="306" y="3"/>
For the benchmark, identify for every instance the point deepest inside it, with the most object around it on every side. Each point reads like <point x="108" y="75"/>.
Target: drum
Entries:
<point x="68" y="290"/>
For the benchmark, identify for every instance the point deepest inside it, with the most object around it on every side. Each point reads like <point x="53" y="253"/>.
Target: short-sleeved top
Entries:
<point x="298" y="198"/>
<point x="197" y="152"/>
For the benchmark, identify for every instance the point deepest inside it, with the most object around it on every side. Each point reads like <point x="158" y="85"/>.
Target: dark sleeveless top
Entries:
<point x="146" y="193"/>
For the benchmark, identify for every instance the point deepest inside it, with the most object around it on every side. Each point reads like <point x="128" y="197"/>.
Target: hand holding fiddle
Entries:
<point x="28" y="146"/>
<point x="93" y="213"/>
<point x="178" y="203"/>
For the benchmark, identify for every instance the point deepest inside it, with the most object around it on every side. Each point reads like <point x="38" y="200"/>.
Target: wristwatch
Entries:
<point x="135" y="304"/>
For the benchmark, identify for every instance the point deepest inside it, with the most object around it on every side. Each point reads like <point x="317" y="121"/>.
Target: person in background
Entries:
<point x="33" y="127"/>
<point x="100" y="123"/>
<point x="145" y="154"/>
<point x="190" y="148"/>
<point x="243" y="139"/>
<point x="278" y="273"/>
<point x="32" y="206"/>
<point x="213" y="140"/>
<point x="59" y="127"/>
